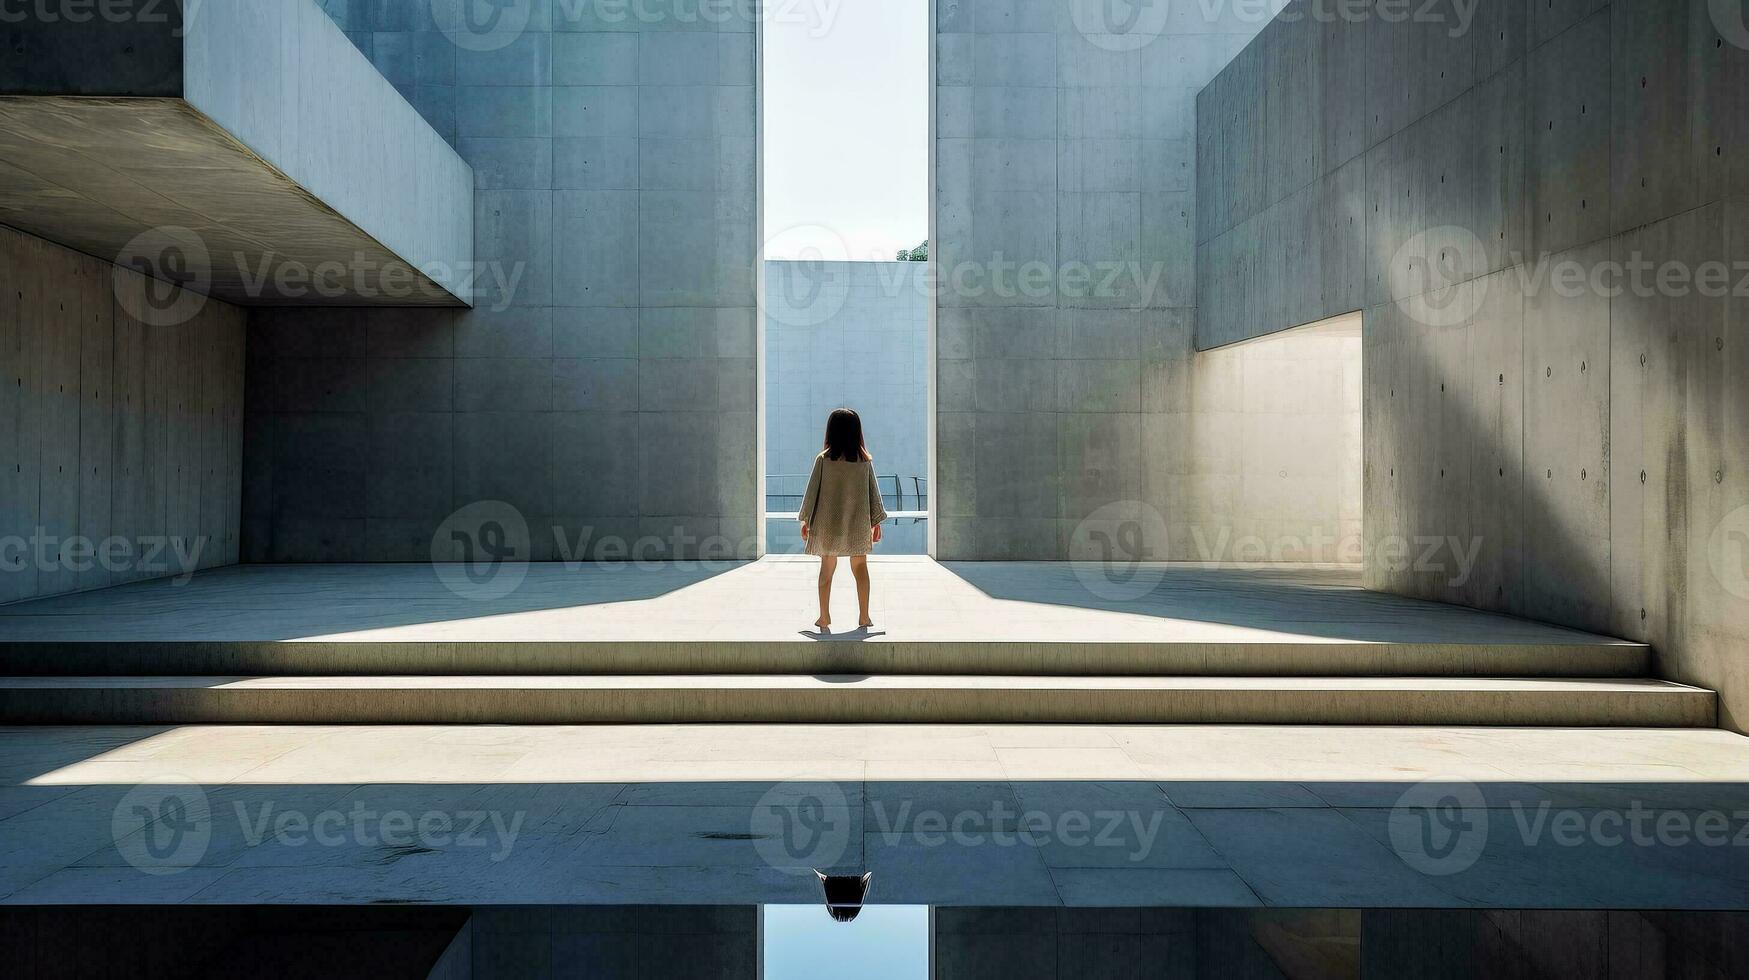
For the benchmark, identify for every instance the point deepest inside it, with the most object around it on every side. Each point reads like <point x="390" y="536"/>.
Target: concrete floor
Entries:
<point x="1015" y="618"/>
<point x="693" y="814"/>
<point x="734" y="814"/>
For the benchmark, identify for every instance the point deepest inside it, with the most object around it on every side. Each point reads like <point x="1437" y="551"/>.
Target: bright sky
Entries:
<point x="846" y="117"/>
<point x="885" y="942"/>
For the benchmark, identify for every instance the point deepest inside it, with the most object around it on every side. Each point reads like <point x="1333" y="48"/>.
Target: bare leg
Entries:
<point x="828" y="565"/>
<point x="859" y="569"/>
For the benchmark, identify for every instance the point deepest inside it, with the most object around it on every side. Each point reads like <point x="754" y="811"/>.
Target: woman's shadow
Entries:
<point x="856" y="635"/>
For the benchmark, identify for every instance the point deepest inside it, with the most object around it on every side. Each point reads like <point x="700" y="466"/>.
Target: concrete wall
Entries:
<point x="121" y="419"/>
<point x="847" y="334"/>
<point x="1275" y="453"/>
<point x="1064" y="165"/>
<point x="410" y="45"/>
<point x="605" y="378"/>
<point x="1433" y="943"/>
<point x="161" y="941"/>
<point x="250" y="136"/>
<point x="1586" y="434"/>
<point x="281" y="79"/>
<point x="616" y="941"/>
<point x="1177" y="943"/>
<point x="129" y="48"/>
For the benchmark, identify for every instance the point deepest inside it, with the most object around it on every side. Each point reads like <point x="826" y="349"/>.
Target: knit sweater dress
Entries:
<point x="841" y="507"/>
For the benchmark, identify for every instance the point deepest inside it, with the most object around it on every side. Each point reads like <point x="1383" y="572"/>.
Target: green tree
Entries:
<point x="918" y="254"/>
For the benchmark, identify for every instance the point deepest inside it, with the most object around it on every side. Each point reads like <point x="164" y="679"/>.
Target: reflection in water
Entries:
<point x="844" y="894"/>
<point x="884" y="942"/>
<point x="888" y="942"/>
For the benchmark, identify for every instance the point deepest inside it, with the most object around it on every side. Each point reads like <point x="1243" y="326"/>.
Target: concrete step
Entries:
<point x="850" y="653"/>
<point x="850" y="698"/>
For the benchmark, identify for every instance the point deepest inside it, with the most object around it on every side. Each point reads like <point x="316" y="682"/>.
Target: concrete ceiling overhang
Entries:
<point x="248" y="151"/>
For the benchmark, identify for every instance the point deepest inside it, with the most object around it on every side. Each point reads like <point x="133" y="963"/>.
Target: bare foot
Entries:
<point x="822" y="623"/>
<point x="866" y="622"/>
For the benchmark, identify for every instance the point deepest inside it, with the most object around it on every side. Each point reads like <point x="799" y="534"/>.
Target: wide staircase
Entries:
<point x="971" y="644"/>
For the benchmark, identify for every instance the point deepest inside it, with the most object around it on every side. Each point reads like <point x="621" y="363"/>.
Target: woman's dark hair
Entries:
<point x="844" y="436"/>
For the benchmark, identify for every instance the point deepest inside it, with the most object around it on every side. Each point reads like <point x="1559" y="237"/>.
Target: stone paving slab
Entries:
<point x="693" y="617"/>
<point x="1006" y="815"/>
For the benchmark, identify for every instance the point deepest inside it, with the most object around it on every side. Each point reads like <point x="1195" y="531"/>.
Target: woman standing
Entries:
<point x="842" y="512"/>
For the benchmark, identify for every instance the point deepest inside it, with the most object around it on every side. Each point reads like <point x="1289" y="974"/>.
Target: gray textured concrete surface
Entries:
<point x="1273" y="466"/>
<point x="606" y="385"/>
<point x="131" y="48"/>
<point x="1587" y="433"/>
<point x="412" y="46"/>
<point x="719" y="642"/>
<point x="248" y="151"/>
<point x="121" y="437"/>
<point x="712" y="617"/>
<point x="840" y="698"/>
<point x="1064" y="181"/>
<point x="281" y="79"/>
<point x="676" y="815"/>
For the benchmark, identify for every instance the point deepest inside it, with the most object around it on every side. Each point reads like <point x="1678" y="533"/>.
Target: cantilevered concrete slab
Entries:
<point x="245" y="149"/>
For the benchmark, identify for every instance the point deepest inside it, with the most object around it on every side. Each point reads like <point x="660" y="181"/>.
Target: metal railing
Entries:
<point x="906" y="497"/>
